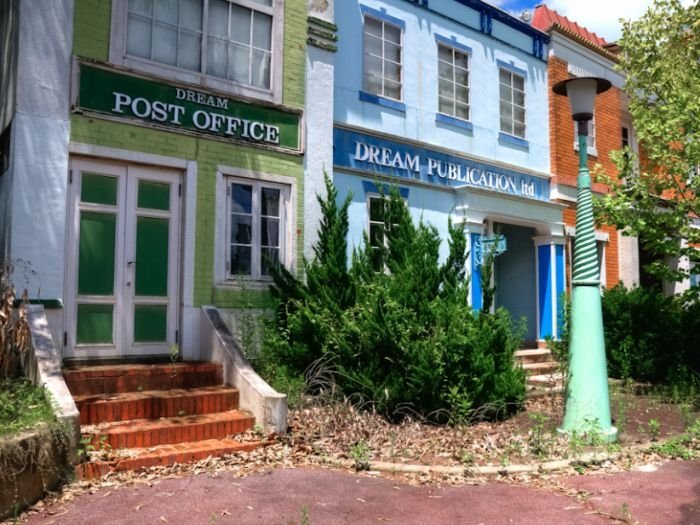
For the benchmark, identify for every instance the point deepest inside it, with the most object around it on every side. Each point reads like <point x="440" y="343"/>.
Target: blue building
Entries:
<point x="448" y="100"/>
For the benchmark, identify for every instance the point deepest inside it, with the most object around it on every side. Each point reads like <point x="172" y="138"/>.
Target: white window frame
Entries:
<point x="225" y="177"/>
<point x="118" y="56"/>
<point x="591" y="149"/>
<point x="454" y="83"/>
<point x="512" y="104"/>
<point x="383" y="58"/>
<point x="373" y="195"/>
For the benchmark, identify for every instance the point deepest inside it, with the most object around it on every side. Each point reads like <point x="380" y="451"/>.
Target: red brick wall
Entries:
<point x="564" y="159"/>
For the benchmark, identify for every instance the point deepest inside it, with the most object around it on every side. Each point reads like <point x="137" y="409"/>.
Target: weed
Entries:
<point x="360" y="454"/>
<point x="466" y="459"/>
<point x="576" y="443"/>
<point x="304" y="516"/>
<point x="259" y="430"/>
<point x="538" y="440"/>
<point x="22" y="405"/>
<point x="654" y="429"/>
<point x="625" y="513"/>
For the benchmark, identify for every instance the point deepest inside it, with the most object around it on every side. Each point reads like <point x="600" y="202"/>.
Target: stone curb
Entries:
<point x="491" y="470"/>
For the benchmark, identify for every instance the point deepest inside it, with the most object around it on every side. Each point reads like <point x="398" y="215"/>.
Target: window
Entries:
<point x="591" y="136"/>
<point x="512" y="105"/>
<point x="625" y="137"/>
<point x="453" y="82"/>
<point x="256" y="227"/>
<point x="382" y="70"/>
<point x="377" y="235"/>
<point x="222" y="43"/>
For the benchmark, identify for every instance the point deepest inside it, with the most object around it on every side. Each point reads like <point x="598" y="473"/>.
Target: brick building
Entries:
<point x="576" y="51"/>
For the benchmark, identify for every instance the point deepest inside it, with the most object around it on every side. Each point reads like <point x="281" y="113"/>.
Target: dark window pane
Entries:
<point x="270" y="232"/>
<point x="241" y="228"/>
<point x="376" y="234"/>
<point x="270" y="257"/>
<point x="242" y="198"/>
<point x="271" y="202"/>
<point x="240" y="260"/>
<point x="376" y="210"/>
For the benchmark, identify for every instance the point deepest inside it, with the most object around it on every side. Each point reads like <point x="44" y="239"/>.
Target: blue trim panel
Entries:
<point x="505" y="18"/>
<point x="544" y="293"/>
<point x="477" y="298"/>
<point x="452" y="121"/>
<point x="452" y="42"/>
<point x="560" y="289"/>
<point x="371" y="187"/>
<point x="515" y="141"/>
<point x="512" y="68"/>
<point x="382" y="15"/>
<point x="386" y="102"/>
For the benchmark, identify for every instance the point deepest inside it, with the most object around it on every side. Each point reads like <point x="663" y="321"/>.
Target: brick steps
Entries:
<point x="533" y="355"/>
<point x="112" y="379"/>
<point x="164" y="455"/>
<point x="138" y="433"/>
<point x="155" y="404"/>
<point x="149" y="415"/>
<point x="542" y="371"/>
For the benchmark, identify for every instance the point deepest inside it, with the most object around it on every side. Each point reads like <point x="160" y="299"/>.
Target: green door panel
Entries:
<point x="95" y="324"/>
<point x="96" y="251"/>
<point x="150" y="323"/>
<point x="152" y="256"/>
<point x="98" y="189"/>
<point x="153" y="195"/>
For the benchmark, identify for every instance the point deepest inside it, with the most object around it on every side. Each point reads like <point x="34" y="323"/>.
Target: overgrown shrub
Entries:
<point x="404" y="339"/>
<point x="14" y="326"/>
<point x="650" y="337"/>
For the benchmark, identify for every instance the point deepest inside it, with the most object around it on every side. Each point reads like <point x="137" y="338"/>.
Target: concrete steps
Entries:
<point x="147" y="415"/>
<point x="541" y="369"/>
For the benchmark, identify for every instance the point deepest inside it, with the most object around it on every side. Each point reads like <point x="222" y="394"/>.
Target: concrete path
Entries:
<point x="668" y="495"/>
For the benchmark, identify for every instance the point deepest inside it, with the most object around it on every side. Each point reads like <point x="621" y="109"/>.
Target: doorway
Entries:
<point x="123" y="262"/>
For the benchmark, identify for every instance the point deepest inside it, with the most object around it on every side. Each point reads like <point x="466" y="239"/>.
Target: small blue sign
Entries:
<point x="376" y="155"/>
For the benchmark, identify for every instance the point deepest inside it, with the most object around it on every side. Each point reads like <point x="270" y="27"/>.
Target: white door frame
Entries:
<point x="123" y="298"/>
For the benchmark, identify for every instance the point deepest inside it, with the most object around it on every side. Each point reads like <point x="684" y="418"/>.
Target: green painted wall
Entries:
<point x="91" y="40"/>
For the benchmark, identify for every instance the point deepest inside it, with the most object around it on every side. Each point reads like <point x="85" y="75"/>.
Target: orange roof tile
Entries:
<point x="544" y="18"/>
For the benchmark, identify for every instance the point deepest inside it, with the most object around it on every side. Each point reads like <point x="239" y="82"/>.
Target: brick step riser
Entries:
<point x="542" y="370"/>
<point x="531" y="359"/>
<point x="182" y="433"/>
<point x="90" y="386"/>
<point x="178" y="454"/>
<point x="95" y="412"/>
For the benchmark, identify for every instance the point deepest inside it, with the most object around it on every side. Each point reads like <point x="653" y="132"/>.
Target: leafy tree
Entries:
<point x="656" y="196"/>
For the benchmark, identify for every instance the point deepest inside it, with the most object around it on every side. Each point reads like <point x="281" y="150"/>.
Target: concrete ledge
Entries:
<point x="218" y="345"/>
<point x="30" y="464"/>
<point x="43" y="367"/>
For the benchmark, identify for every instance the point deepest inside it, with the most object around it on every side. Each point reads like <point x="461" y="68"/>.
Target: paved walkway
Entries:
<point x="665" y="496"/>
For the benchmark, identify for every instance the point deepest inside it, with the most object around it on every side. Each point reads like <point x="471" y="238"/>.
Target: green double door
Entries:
<point x="123" y="261"/>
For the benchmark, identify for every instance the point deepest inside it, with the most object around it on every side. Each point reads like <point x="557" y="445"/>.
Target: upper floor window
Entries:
<point x="453" y="82"/>
<point x="512" y="103"/>
<point x="383" y="58"/>
<point x="227" y="44"/>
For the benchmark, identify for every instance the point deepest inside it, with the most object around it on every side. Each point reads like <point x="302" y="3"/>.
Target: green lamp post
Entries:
<point x="587" y="399"/>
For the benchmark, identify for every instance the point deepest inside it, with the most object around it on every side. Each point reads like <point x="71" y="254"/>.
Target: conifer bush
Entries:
<point x="404" y="339"/>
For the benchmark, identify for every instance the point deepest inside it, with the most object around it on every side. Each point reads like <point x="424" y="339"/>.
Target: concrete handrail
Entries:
<point x="218" y="345"/>
<point x="43" y="367"/>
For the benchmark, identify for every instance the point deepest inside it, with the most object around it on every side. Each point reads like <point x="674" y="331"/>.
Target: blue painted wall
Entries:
<point x="418" y="121"/>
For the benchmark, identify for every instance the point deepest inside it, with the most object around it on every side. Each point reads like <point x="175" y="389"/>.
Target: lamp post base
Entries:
<point x="599" y="436"/>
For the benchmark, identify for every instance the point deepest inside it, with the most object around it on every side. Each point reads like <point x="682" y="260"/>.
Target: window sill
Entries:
<point x="510" y="140"/>
<point x="453" y="121"/>
<point x="592" y="152"/>
<point x="244" y="282"/>
<point x="381" y="101"/>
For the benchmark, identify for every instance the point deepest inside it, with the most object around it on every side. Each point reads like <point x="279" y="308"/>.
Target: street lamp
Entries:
<point x="587" y="399"/>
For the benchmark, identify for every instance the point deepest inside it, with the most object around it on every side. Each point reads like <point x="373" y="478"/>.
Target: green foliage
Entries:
<point x="656" y="199"/>
<point x="650" y="338"/>
<point x="22" y="405"/>
<point x="360" y="453"/>
<point x="404" y="339"/>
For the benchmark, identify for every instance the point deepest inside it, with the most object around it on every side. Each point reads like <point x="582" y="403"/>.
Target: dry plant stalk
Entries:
<point x="14" y="333"/>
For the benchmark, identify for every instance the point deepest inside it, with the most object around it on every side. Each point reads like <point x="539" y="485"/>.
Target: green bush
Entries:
<point x="650" y="337"/>
<point x="404" y="339"/>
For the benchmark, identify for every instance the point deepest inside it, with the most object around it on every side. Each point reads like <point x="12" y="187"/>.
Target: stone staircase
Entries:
<point x="541" y="369"/>
<point x="160" y="414"/>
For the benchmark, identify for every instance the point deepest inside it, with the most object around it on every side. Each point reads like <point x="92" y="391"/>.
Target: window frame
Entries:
<point x="591" y="144"/>
<point x="385" y="198"/>
<point x="512" y="104"/>
<point x="467" y="54"/>
<point x="225" y="176"/>
<point x="118" y="55"/>
<point x="400" y="28"/>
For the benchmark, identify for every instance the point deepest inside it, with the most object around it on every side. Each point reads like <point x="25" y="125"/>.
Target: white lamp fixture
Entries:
<point x="581" y="92"/>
